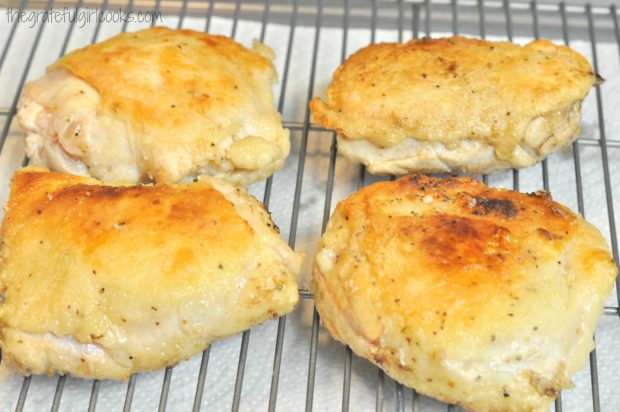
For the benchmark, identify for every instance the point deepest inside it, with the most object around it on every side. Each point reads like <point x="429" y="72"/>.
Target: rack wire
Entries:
<point x="504" y="19"/>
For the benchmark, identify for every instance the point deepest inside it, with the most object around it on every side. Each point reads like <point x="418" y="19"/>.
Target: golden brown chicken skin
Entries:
<point x="455" y="104"/>
<point x="101" y="281"/>
<point x="158" y="104"/>
<point x="480" y="297"/>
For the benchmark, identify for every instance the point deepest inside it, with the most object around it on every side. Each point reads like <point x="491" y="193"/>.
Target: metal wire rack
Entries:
<point x="316" y="148"/>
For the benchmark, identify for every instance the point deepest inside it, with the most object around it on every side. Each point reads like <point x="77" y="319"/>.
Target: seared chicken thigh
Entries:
<point x="158" y="104"/>
<point x="103" y="281"/>
<point x="479" y="297"/>
<point x="455" y="104"/>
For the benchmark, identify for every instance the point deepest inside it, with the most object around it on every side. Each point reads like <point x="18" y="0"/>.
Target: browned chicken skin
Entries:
<point x="159" y="104"/>
<point x="480" y="297"/>
<point x="104" y="281"/>
<point x="455" y="104"/>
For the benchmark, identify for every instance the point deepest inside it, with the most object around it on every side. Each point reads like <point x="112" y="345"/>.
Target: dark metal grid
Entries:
<point x="417" y="9"/>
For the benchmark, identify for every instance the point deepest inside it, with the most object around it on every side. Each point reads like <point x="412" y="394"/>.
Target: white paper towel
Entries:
<point x="222" y="367"/>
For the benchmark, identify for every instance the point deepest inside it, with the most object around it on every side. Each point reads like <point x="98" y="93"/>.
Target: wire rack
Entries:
<point x="314" y="147"/>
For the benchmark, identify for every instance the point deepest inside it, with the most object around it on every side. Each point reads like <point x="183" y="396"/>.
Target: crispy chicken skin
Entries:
<point x="479" y="297"/>
<point x="158" y="104"/>
<point x="103" y="281"/>
<point x="455" y="104"/>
